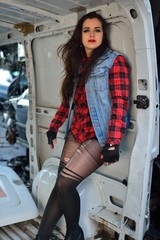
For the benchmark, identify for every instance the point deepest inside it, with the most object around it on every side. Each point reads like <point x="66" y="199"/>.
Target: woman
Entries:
<point x="95" y="89"/>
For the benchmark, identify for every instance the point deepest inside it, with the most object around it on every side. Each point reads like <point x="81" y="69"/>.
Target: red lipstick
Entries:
<point x="92" y="40"/>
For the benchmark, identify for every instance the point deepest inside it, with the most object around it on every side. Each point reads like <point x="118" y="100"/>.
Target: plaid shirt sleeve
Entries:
<point x="60" y="117"/>
<point x="119" y="92"/>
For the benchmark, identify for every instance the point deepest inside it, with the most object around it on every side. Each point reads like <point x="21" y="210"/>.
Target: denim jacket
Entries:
<point x="98" y="96"/>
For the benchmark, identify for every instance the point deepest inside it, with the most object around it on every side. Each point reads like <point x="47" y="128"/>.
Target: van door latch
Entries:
<point x="141" y="102"/>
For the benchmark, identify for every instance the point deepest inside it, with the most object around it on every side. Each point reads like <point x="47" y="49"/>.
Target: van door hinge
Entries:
<point x="141" y="102"/>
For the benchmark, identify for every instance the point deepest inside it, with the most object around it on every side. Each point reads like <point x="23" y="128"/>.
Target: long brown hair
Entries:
<point x="71" y="54"/>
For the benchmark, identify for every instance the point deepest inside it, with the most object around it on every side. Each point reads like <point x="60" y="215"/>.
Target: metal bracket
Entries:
<point x="142" y="102"/>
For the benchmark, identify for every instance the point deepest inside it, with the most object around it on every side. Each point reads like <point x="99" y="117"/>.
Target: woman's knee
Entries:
<point x="65" y="185"/>
<point x="61" y="185"/>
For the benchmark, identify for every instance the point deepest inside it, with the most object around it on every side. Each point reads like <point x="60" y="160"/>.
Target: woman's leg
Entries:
<point x="80" y="161"/>
<point x="53" y="211"/>
<point x="85" y="161"/>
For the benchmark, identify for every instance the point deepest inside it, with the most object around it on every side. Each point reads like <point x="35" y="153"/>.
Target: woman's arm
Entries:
<point x="59" y="118"/>
<point x="119" y="92"/>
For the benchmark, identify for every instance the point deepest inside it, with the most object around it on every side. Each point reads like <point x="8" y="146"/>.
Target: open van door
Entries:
<point x="122" y="191"/>
<point x="117" y="197"/>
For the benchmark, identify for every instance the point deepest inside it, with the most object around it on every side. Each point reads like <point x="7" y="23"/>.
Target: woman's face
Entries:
<point x="92" y="34"/>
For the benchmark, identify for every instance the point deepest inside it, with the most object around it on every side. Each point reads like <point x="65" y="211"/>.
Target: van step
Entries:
<point x="112" y="220"/>
<point x="24" y="231"/>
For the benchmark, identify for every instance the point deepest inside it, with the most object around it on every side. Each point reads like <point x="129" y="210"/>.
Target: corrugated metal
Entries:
<point x="37" y="11"/>
<point x="23" y="231"/>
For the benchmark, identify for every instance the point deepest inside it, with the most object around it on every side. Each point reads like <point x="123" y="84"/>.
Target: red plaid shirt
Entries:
<point x="82" y="127"/>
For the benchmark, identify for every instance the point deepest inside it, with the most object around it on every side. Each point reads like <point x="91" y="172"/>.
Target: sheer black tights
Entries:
<point x="64" y="199"/>
<point x="77" y="163"/>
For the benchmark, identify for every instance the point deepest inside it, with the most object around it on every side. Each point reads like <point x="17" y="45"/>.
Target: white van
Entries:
<point x="115" y="200"/>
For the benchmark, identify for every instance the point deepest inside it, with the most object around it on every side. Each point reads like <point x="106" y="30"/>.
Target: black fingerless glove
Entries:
<point x="110" y="156"/>
<point x="51" y="135"/>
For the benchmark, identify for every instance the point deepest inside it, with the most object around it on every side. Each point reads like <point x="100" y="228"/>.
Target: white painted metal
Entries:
<point x="16" y="203"/>
<point x="38" y="11"/>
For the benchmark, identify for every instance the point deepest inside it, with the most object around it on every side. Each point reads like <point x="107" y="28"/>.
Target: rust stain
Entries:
<point x="24" y="27"/>
<point x="2" y="193"/>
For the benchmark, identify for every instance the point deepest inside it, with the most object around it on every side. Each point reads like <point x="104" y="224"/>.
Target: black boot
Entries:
<point x="52" y="237"/>
<point x="41" y="238"/>
<point x="77" y="234"/>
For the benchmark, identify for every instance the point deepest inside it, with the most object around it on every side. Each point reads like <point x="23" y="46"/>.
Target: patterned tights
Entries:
<point x="78" y="161"/>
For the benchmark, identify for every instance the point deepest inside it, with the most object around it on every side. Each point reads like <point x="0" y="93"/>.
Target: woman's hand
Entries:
<point x="110" y="154"/>
<point x="51" y="135"/>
